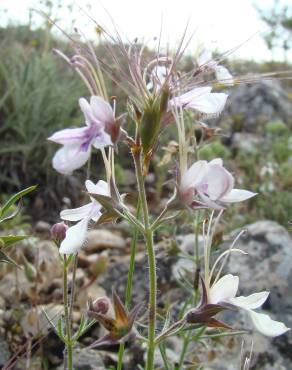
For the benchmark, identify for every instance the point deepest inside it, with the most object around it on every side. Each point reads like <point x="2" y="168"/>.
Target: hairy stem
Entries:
<point x="73" y="288"/>
<point x="68" y="363"/>
<point x="148" y="234"/>
<point x="129" y="283"/>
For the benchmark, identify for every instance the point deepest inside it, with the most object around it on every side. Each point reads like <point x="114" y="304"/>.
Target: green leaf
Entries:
<point x="14" y="199"/>
<point x="13" y="214"/>
<point x="60" y="329"/>
<point x="11" y="239"/>
<point x="53" y="325"/>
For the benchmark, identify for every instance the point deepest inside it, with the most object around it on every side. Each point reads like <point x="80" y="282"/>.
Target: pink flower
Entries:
<point x="212" y="184"/>
<point x="224" y="291"/>
<point x="201" y="99"/>
<point x="77" y="142"/>
<point x="76" y="235"/>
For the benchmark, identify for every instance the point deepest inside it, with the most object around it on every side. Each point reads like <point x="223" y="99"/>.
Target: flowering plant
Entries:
<point x="159" y="95"/>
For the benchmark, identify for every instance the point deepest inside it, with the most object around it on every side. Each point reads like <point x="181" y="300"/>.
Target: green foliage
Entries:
<point x="214" y="150"/>
<point x="276" y="128"/>
<point x="7" y="213"/>
<point x="40" y="96"/>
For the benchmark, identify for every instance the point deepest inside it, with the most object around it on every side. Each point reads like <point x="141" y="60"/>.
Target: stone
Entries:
<point x="86" y="359"/>
<point x="250" y="106"/>
<point x="103" y="239"/>
<point x="266" y="267"/>
<point x="42" y="227"/>
<point x="5" y="353"/>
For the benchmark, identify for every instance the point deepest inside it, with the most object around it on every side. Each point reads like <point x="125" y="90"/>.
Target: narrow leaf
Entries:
<point x="11" y="239"/>
<point x="14" y="199"/>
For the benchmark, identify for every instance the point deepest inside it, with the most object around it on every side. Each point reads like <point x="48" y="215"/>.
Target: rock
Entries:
<point x="86" y="359"/>
<point x="47" y="262"/>
<point x="10" y="287"/>
<point x="42" y="227"/>
<point x="5" y="353"/>
<point x="34" y="323"/>
<point x="267" y="267"/>
<point x="246" y="142"/>
<point x="252" y="105"/>
<point x="94" y="291"/>
<point x="103" y="239"/>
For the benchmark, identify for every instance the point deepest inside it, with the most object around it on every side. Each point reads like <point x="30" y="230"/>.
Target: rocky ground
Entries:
<point x="104" y="263"/>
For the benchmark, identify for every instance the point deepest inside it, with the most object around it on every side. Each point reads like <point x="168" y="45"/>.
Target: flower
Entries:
<point x="213" y="184"/>
<point x="77" y="142"/>
<point x="206" y="63"/>
<point x="200" y="99"/>
<point x="119" y="328"/>
<point x="224" y="292"/>
<point x="76" y="235"/>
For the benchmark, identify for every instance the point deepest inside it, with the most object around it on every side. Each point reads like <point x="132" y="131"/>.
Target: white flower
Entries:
<point x="224" y="291"/>
<point x="202" y="100"/>
<point x="77" y="142"/>
<point x="213" y="184"/>
<point x="76" y="235"/>
<point x="206" y="63"/>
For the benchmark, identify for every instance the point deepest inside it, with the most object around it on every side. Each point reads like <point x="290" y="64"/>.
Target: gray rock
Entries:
<point x="5" y="353"/>
<point x="103" y="239"/>
<point x="267" y="267"/>
<point x="86" y="359"/>
<point x="42" y="226"/>
<point x="252" y="105"/>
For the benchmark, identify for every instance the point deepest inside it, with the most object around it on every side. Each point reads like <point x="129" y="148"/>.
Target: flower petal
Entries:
<point x="208" y="203"/>
<point x="223" y="76"/>
<point x="100" y="188"/>
<point x="250" y="302"/>
<point x="237" y="195"/>
<point x="69" y="158"/>
<point x="86" y="110"/>
<point x="101" y="109"/>
<point x="225" y="288"/>
<point x="69" y="135"/>
<point x="76" y="214"/>
<point x="190" y="96"/>
<point x="216" y="182"/>
<point x="208" y="103"/>
<point x="102" y="140"/>
<point x="75" y="237"/>
<point x="193" y="176"/>
<point x="205" y="60"/>
<point x="265" y="325"/>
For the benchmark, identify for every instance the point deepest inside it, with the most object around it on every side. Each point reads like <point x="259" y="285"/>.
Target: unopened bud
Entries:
<point x="150" y="125"/>
<point x="100" y="305"/>
<point x="58" y="232"/>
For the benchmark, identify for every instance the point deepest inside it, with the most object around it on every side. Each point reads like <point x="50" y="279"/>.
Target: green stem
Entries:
<point x="68" y="362"/>
<point x="73" y="288"/>
<point x="129" y="283"/>
<point x="148" y="234"/>
<point x="187" y="337"/>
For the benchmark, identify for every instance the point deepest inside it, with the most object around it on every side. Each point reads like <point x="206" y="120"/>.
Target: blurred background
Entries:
<point x="39" y="95"/>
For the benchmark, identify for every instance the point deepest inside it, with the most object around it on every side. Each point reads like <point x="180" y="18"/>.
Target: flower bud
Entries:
<point x="100" y="305"/>
<point x="150" y="125"/>
<point x="58" y="232"/>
